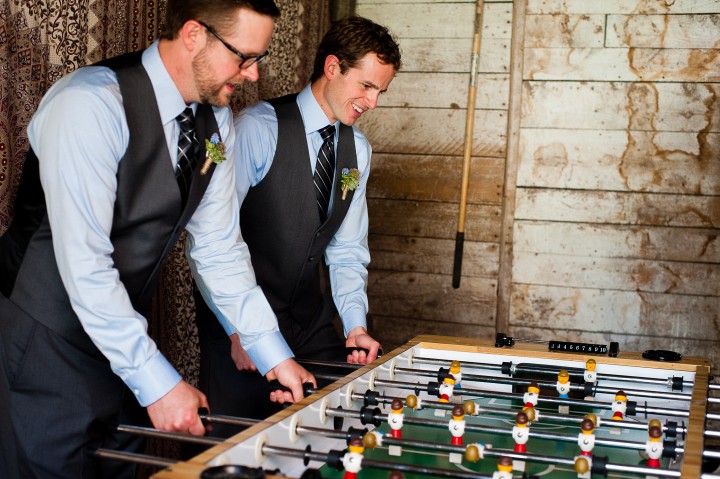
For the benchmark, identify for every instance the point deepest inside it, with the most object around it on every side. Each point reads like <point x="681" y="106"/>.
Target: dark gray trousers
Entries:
<point x="63" y="402"/>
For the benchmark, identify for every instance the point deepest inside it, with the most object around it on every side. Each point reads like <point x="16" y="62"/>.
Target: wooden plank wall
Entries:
<point x="615" y="204"/>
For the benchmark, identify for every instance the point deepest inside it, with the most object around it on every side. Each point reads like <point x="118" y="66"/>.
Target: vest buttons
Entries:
<point x="311" y="259"/>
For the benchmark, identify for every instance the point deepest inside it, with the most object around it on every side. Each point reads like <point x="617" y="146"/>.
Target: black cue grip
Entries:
<point x="308" y="388"/>
<point x="457" y="266"/>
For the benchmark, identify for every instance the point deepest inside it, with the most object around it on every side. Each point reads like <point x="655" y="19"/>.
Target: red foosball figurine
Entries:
<point x="586" y="438"/>
<point x="531" y="399"/>
<point x="654" y="446"/>
<point x="619" y="406"/>
<point x="445" y="391"/>
<point x="505" y="468"/>
<point x="457" y="425"/>
<point x="352" y="459"/>
<point x="520" y="432"/>
<point x="395" y="418"/>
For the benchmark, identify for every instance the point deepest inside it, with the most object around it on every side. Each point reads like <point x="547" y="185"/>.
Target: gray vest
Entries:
<point x="281" y="224"/>
<point x="147" y="221"/>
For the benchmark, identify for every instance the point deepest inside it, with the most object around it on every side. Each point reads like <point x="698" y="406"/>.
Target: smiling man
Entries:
<point x="111" y="181"/>
<point x="302" y="187"/>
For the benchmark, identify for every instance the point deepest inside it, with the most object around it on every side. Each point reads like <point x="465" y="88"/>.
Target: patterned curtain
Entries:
<point x="42" y="40"/>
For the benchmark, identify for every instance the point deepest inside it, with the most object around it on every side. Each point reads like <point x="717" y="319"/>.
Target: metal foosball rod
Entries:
<point x="373" y="398"/>
<point x="333" y="458"/>
<point x="594" y="387"/>
<point x="346" y="435"/>
<point x="417" y="387"/>
<point x="509" y="369"/>
<point x="376" y="417"/>
<point x="135" y="458"/>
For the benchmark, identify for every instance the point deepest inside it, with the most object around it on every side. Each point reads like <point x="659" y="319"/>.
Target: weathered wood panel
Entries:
<point x="421" y="20"/>
<point x="585" y="272"/>
<point x="430" y="219"/>
<point x="446" y="90"/>
<point x="691" y="107"/>
<point x="663" y="31"/>
<point x="616" y="312"/>
<point x="434" y="256"/>
<point x="663" y="162"/>
<point x="432" y="298"/>
<point x="687" y="245"/>
<point x="561" y="30"/>
<point x="434" y="131"/>
<point x="411" y="177"/>
<point x="454" y="55"/>
<point x="618" y="208"/>
<point x="622" y="64"/>
<point x="621" y="6"/>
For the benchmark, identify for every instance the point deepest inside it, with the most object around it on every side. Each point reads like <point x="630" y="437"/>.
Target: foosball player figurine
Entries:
<point x="619" y="406"/>
<point x="590" y="375"/>
<point x="396" y="475"/>
<point x="457" y="376"/>
<point x="445" y="392"/>
<point x="352" y="459"/>
<point x="530" y="398"/>
<point x="395" y="420"/>
<point x="586" y="438"/>
<point x="583" y="467"/>
<point x="563" y="389"/>
<point x="457" y="428"/>
<point x="586" y="441"/>
<point x="521" y="434"/>
<point x="654" y="446"/>
<point x="505" y="468"/>
<point x="413" y="402"/>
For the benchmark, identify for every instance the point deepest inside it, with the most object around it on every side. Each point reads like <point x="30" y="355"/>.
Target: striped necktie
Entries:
<point x="324" y="171"/>
<point x="187" y="152"/>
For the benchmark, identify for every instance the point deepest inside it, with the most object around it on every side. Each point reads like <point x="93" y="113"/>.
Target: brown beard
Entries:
<point x="208" y="90"/>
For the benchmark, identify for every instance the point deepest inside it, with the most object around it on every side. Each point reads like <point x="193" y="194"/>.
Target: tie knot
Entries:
<point x="186" y="119"/>
<point x="327" y="132"/>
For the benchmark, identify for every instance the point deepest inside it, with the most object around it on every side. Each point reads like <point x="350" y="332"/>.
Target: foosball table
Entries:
<point x="463" y="408"/>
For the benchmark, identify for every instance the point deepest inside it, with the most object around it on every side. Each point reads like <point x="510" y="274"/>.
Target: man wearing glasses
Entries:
<point x="302" y="171"/>
<point x="112" y="179"/>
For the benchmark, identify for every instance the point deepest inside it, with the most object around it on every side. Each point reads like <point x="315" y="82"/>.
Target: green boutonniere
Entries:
<point x="350" y="180"/>
<point x="214" y="152"/>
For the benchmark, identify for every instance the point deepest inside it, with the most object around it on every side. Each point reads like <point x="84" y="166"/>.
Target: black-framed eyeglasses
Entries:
<point x="246" y="61"/>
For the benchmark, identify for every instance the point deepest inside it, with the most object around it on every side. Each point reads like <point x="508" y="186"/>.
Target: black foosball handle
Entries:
<point x="349" y="351"/>
<point x="308" y="388"/>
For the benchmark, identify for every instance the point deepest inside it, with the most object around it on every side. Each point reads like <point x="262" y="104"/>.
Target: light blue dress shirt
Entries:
<point x="347" y="254"/>
<point x="80" y="134"/>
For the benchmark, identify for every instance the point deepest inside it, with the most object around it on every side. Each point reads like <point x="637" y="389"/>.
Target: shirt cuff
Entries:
<point x="269" y="351"/>
<point x="154" y="380"/>
<point x="226" y="325"/>
<point x="352" y="319"/>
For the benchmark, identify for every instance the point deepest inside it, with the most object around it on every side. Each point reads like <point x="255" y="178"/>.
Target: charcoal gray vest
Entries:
<point x="281" y="224"/>
<point x="147" y="221"/>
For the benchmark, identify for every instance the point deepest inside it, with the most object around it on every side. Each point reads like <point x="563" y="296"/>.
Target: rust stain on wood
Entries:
<point x="637" y="166"/>
<point x="550" y="162"/>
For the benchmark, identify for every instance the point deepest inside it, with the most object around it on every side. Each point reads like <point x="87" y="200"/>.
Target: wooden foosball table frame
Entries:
<point x="245" y="448"/>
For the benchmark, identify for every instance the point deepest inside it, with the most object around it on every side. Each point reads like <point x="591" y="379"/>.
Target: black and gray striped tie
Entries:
<point x="324" y="170"/>
<point x="187" y="152"/>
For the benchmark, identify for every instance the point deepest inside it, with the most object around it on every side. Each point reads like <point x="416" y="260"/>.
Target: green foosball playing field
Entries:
<point x="557" y="444"/>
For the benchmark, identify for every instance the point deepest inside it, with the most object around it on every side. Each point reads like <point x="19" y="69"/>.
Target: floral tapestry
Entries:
<point x="42" y="40"/>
